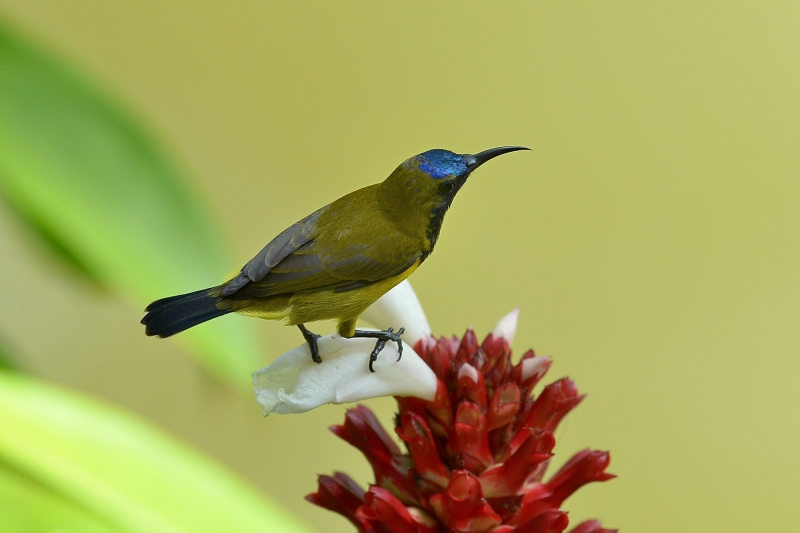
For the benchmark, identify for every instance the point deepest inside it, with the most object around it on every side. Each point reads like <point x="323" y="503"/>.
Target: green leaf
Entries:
<point x="26" y="506"/>
<point x="103" y="196"/>
<point x="121" y="470"/>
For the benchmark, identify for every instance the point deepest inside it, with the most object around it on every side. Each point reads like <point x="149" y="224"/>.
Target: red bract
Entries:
<point x="476" y="455"/>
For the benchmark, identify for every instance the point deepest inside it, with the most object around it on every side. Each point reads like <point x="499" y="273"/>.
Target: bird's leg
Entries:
<point x="311" y="339"/>
<point x="383" y="337"/>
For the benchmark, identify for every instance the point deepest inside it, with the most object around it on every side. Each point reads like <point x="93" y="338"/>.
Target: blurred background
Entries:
<point x="650" y="237"/>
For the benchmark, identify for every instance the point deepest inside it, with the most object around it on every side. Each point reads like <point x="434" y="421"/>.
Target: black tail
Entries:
<point x="172" y="315"/>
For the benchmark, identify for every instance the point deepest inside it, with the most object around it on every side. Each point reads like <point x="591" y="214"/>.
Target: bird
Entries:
<point x="340" y="259"/>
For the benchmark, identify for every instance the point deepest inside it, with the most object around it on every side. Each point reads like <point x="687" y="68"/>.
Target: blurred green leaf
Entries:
<point x="119" y="469"/>
<point x="28" y="507"/>
<point x="104" y="197"/>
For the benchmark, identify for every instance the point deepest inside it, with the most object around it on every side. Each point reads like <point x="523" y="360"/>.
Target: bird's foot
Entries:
<point x="311" y="339"/>
<point x="383" y="337"/>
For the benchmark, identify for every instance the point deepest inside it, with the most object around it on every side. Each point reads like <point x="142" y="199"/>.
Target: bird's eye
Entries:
<point x="447" y="188"/>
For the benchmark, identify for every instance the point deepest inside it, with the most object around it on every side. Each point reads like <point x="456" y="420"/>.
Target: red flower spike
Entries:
<point x="440" y="407"/>
<point x="523" y="468"/>
<point x="415" y="433"/>
<point x="408" y="404"/>
<point x="530" y="370"/>
<point x="499" y="373"/>
<point x="552" y="521"/>
<point x="439" y="356"/>
<point x="591" y="526"/>
<point x="339" y="494"/>
<point x="502" y="529"/>
<point x="478" y="359"/>
<point x="462" y="506"/>
<point x="471" y="385"/>
<point x="552" y="405"/>
<point x="556" y="400"/>
<point x="470" y="439"/>
<point x="467" y="348"/>
<point x="584" y="467"/>
<point x="495" y="348"/>
<point x="383" y="509"/>
<point x="362" y="430"/>
<point x="530" y="354"/>
<point x="476" y="454"/>
<point x="503" y="406"/>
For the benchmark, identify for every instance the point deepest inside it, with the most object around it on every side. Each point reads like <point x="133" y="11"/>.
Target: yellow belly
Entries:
<point x="324" y="305"/>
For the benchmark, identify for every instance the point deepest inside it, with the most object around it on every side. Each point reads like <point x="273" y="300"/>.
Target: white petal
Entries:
<point x="507" y="327"/>
<point x="535" y="366"/>
<point x="400" y="308"/>
<point x="293" y="383"/>
<point x="469" y="371"/>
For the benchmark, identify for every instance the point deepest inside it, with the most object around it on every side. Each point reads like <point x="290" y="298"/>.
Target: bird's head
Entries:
<point x="437" y="175"/>
<point x="427" y="183"/>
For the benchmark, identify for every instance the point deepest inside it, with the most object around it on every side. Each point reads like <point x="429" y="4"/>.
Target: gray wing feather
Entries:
<point x="271" y="254"/>
<point x="301" y="264"/>
<point x="276" y="251"/>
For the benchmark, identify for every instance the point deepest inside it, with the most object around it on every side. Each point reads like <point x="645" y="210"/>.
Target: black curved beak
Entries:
<point x="474" y="161"/>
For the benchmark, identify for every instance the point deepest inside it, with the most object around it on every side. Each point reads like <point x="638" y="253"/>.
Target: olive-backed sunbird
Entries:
<point x="339" y="260"/>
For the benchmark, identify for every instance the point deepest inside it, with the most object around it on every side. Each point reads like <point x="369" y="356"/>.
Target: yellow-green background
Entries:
<point x="651" y="237"/>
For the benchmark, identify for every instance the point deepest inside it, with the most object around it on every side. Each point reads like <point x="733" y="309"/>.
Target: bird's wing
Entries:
<point x="310" y="268"/>
<point x="278" y="249"/>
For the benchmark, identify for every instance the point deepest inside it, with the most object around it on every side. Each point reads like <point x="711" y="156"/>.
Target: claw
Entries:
<point x="383" y="337"/>
<point x="374" y="355"/>
<point x="400" y="343"/>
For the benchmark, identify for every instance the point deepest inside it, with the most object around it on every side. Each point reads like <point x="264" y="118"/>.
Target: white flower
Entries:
<point x="293" y="383"/>
<point x="398" y="308"/>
